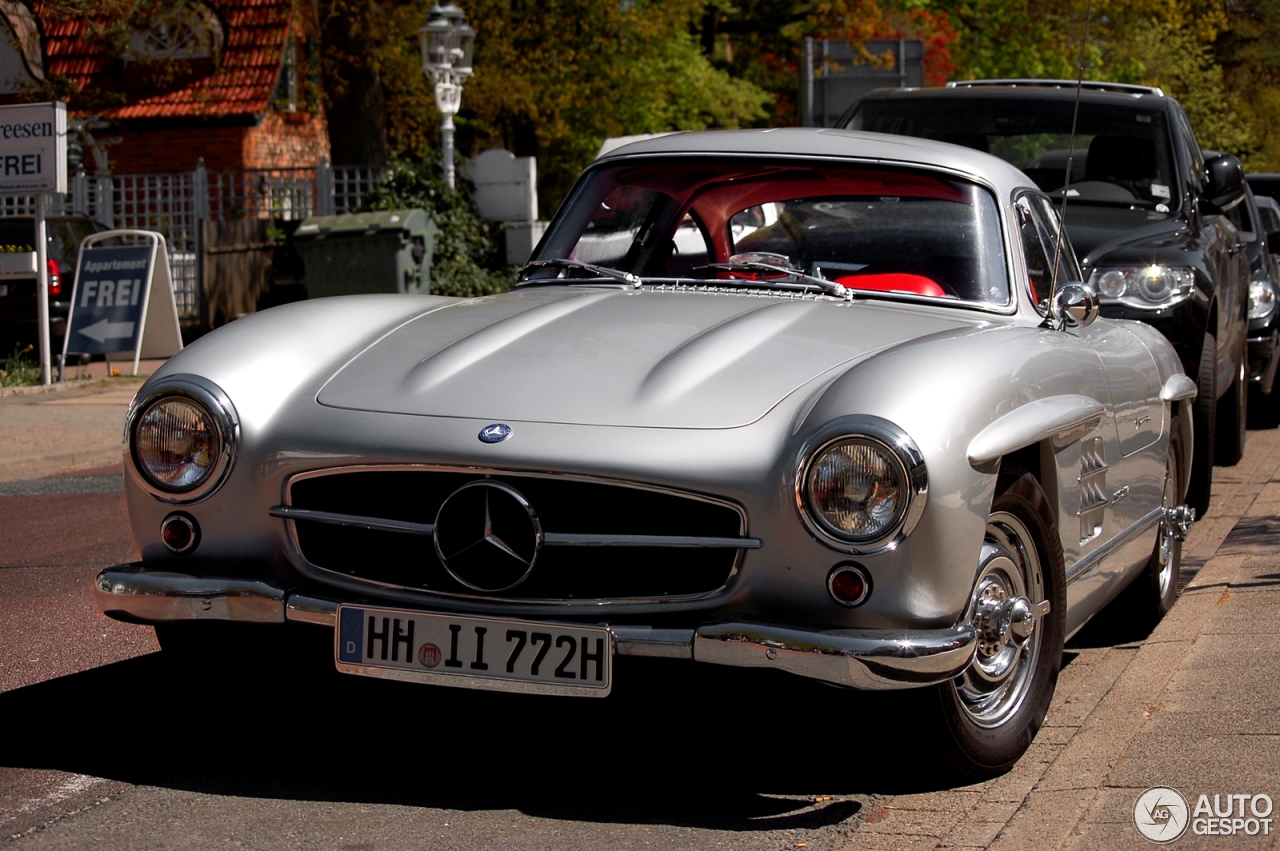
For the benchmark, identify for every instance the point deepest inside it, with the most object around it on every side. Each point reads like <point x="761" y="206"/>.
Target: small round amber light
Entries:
<point x="849" y="585"/>
<point x="179" y="533"/>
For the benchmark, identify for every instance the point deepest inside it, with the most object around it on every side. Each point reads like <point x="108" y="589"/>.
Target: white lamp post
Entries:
<point x="446" y="57"/>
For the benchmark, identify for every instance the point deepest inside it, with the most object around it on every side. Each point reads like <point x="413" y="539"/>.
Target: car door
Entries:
<point x="1097" y="482"/>
<point x="1110" y="479"/>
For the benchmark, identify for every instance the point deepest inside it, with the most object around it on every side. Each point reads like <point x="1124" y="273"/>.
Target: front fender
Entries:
<point x="984" y="393"/>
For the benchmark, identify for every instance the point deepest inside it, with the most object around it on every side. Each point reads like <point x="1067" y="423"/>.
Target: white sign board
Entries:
<point x="33" y="148"/>
<point x="123" y="298"/>
<point x="506" y="186"/>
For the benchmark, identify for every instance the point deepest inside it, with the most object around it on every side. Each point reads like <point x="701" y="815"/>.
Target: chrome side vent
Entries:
<point x="1093" y="488"/>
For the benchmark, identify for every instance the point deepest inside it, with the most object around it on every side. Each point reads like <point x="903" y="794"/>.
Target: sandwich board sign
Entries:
<point x="123" y="300"/>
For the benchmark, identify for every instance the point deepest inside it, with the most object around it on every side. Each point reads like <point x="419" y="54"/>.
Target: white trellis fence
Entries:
<point x="175" y="203"/>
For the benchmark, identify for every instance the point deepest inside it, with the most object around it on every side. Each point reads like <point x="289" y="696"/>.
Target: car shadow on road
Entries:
<point x="678" y="744"/>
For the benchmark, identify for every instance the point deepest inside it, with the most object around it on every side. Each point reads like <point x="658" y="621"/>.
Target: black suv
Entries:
<point x="1145" y="211"/>
<point x="18" y="327"/>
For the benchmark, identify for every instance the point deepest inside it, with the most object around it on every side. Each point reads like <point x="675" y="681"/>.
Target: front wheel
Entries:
<point x="1233" y="416"/>
<point x="990" y="714"/>
<point x="1204" y="417"/>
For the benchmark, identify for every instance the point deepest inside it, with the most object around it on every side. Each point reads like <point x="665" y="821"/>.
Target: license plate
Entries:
<point x="482" y="653"/>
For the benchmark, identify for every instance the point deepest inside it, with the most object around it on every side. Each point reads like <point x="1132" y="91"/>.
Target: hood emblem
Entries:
<point x="495" y="433"/>
<point x="487" y="536"/>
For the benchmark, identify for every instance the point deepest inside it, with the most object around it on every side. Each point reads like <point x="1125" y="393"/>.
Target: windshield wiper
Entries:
<point x="576" y="265"/>
<point x="806" y="281"/>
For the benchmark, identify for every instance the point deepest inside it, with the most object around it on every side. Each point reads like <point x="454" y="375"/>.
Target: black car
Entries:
<point x="1258" y="220"/>
<point x="1264" y="184"/>
<point x="1145" y="210"/>
<point x="18" y="327"/>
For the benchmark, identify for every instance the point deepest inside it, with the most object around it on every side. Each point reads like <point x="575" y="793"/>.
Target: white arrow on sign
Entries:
<point x="104" y="330"/>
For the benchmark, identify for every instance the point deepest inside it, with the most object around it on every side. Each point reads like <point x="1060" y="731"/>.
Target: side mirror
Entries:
<point x="1224" y="181"/>
<point x="1074" y="305"/>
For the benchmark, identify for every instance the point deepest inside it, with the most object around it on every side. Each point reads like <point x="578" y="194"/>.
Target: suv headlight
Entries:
<point x="1262" y="299"/>
<point x="182" y="438"/>
<point x="1150" y="286"/>
<point x="862" y="490"/>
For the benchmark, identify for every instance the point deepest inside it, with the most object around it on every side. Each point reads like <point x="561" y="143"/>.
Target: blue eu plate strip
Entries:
<point x="351" y="636"/>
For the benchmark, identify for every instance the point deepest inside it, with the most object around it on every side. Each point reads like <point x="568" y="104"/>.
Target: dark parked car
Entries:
<point x="1146" y="212"/>
<point x="1267" y="185"/>
<point x="18" y="295"/>
<point x="1258" y="220"/>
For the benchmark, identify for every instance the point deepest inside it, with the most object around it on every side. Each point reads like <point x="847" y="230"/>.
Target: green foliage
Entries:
<point x="18" y="370"/>
<point x="465" y="259"/>
<point x="1012" y="39"/>
<point x="554" y="79"/>
<point x="1174" y="59"/>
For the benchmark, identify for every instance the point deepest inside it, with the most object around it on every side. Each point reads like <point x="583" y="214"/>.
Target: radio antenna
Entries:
<point x="1071" y="154"/>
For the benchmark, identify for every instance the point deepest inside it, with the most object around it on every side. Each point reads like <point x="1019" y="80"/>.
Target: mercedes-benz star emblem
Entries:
<point x="495" y="433"/>
<point x="487" y="536"/>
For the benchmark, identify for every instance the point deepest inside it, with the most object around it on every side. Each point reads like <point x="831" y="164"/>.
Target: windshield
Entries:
<point x="869" y="229"/>
<point x="1122" y="153"/>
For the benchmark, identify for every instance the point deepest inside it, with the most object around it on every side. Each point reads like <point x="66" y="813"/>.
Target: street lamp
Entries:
<point x="446" y="57"/>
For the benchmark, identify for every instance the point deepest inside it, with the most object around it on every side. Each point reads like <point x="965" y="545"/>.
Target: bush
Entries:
<point x="18" y="370"/>
<point x="466" y="261"/>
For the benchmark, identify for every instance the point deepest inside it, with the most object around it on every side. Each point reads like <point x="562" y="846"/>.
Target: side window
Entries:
<point x="1034" y="249"/>
<point x="1241" y="218"/>
<point x="1038" y="227"/>
<point x="1068" y="264"/>
<point x="1193" y="159"/>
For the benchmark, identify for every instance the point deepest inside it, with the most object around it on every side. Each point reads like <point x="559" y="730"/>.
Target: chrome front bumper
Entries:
<point x="860" y="658"/>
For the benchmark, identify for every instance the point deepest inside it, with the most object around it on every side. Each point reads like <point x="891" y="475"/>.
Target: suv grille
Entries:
<point x="600" y="541"/>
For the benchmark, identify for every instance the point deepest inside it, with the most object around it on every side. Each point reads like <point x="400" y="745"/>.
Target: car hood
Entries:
<point x="1098" y="231"/>
<point x="620" y="358"/>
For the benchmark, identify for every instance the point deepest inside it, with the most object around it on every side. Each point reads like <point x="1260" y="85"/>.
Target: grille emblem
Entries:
<point x="495" y="433"/>
<point x="487" y="536"/>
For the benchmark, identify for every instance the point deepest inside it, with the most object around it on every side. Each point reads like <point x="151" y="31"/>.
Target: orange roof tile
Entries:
<point x="255" y="36"/>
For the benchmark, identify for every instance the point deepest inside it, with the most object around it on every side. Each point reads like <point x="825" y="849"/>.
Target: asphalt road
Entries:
<point x="106" y="744"/>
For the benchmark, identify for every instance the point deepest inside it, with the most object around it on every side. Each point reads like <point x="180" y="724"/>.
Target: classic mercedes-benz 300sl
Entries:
<point x="808" y="400"/>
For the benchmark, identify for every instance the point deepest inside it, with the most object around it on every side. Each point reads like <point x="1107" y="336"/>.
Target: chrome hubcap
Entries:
<point x="1006" y="609"/>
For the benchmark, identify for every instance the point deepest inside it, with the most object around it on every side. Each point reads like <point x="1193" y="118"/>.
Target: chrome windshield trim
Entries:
<point x="380" y="524"/>
<point x="1076" y="570"/>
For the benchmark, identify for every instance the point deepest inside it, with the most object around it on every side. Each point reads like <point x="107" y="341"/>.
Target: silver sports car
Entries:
<point x="820" y="401"/>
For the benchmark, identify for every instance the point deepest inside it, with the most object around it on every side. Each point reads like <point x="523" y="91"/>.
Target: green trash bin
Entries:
<point x="384" y="252"/>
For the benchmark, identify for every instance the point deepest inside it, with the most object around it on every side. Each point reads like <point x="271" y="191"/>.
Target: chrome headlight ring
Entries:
<point x="208" y="397"/>
<point x="898" y="449"/>
<point x="1262" y="298"/>
<point x="1148" y="287"/>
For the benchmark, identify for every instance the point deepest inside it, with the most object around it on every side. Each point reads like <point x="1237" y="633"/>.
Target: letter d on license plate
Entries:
<point x="480" y="653"/>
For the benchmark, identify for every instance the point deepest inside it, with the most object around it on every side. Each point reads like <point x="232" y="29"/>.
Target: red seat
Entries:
<point x="900" y="282"/>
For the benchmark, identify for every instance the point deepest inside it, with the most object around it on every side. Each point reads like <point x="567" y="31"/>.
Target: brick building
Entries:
<point x="232" y="82"/>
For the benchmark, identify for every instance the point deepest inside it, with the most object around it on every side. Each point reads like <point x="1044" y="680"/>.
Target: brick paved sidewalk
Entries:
<point x="1196" y="706"/>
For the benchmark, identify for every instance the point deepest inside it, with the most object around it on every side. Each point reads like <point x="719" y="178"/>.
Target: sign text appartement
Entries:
<point x="33" y="148"/>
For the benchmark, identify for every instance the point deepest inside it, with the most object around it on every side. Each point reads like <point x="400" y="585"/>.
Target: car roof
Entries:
<point x="820" y="142"/>
<point x="1029" y="90"/>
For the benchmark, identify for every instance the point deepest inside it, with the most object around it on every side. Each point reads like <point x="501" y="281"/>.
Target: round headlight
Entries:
<point x="857" y="489"/>
<point x="1111" y="284"/>
<point x="177" y="444"/>
<point x="1262" y="299"/>
<point x="1156" y="283"/>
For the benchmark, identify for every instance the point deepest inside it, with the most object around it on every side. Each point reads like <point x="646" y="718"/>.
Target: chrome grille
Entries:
<point x="601" y="541"/>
